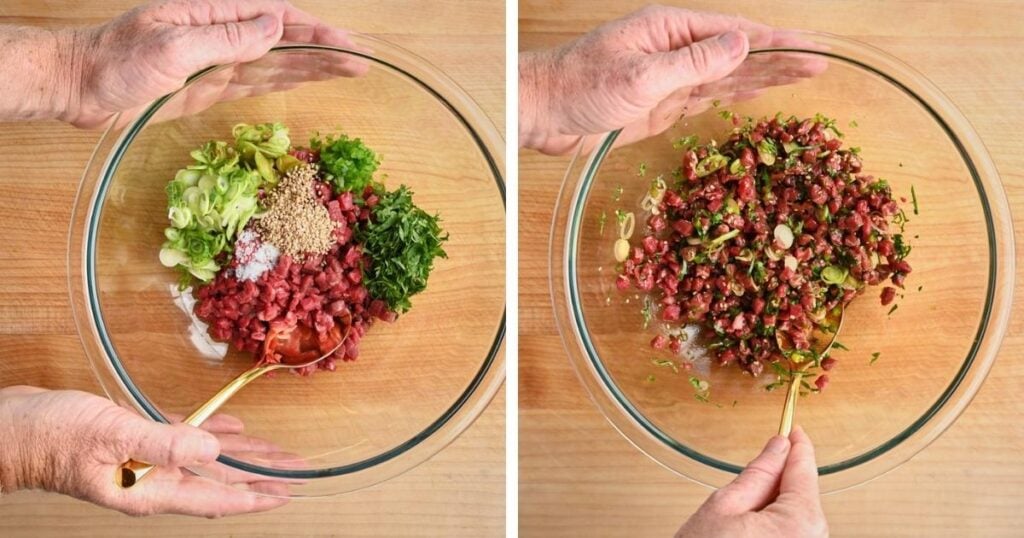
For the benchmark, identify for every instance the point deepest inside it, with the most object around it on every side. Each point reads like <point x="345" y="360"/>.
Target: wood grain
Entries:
<point x="460" y="492"/>
<point x="579" y="477"/>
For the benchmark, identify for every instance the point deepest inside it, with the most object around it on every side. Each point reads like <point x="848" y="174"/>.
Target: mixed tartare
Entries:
<point x="762" y="235"/>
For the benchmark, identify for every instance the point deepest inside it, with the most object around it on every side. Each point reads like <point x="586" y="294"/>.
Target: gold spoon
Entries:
<point x="131" y="472"/>
<point x="821" y="342"/>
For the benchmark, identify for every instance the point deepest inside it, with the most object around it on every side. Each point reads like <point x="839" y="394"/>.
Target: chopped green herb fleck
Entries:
<point x="919" y="288"/>
<point x="647" y="311"/>
<point x="620" y="216"/>
<point x="725" y="114"/>
<point x="838" y="345"/>
<point x="893" y="309"/>
<point x="641" y="170"/>
<point x="666" y="363"/>
<point x="853" y="123"/>
<point x="716" y="102"/>
<point x="874" y="356"/>
<point x="685" y="143"/>
<point x="913" y="196"/>
<point x="651" y="378"/>
<point x="601" y="220"/>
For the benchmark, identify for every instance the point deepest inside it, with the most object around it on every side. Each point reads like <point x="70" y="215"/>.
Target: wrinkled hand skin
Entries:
<point x="72" y="442"/>
<point x="641" y="73"/>
<point x="151" y="51"/>
<point x="776" y="496"/>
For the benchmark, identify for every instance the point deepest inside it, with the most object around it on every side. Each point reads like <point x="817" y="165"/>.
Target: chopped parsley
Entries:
<point x="620" y="216"/>
<point x="641" y="170"/>
<point x="402" y="241"/>
<point x="893" y="309"/>
<point x="874" y="356"/>
<point x="913" y="197"/>
<point x="685" y="143"/>
<point x="349" y="165"/>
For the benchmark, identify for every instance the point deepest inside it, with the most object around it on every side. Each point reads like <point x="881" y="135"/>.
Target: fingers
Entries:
<point x="801" y="474"/>
<point x="230" y="42"/>
<point x="175" y="445"/>
<point x="682" y="26"/>
<point x="700" y="63"/>
<point x="758" y="484"/>
<point x="219" y="423"/>
<point x="199" y="496"/>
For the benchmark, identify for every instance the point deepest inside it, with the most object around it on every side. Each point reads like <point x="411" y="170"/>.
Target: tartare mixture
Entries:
<point x="288" y="248"/>
<point x="765" y="233"/>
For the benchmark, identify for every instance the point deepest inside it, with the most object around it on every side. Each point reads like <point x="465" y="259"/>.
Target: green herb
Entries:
<point x="880" y="185"/>
<point x="902" y="249"/>
<point x="617" y="193"/>
<point x="716" y="102"/>
<point x="686" y="143"/>
<point x="913" y="196"/>
<point x="665" y="363"/>
<point x="647" y="311"/>
<point x="601" y="220"/>
<point x="919" y="288"/>
<point x="836" y="344"/>
<point x="650" y="378"/>
<point x="874" y="357"/>
<point x="641" y="170"/>
<point x="402" y="241"/>
<point x="853" y="123"/>
<point x="620" y="216"/>
<point x="893" y="309"/>
<point x="855" y="150"/>
<point x="725" y="114"/>
<point x="347" y="163"/>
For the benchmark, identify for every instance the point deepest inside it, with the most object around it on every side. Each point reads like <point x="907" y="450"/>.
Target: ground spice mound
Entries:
<point x="295" y="222"/>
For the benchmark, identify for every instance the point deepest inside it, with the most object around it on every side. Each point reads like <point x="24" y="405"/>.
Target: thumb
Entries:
<point x="757" y="485"/>
<point x="230" y="42"/>
<point x="699" y="63"/>
<point x="801" y="475"/>
<point x="175" y="445"/>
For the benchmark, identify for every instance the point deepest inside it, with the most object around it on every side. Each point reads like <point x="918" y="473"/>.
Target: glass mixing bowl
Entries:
<point x="418" y="382"/>
<point x="934" y="351"/>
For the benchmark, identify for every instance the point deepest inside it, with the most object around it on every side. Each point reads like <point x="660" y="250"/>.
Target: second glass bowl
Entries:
<point x="933" y="352"/>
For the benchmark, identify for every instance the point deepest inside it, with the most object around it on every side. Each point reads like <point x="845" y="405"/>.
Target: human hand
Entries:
<point x="125" y="64"/>
<point x="641" y="72"/>
<point x="776" y="495"/>
<point x="72" y="442"/>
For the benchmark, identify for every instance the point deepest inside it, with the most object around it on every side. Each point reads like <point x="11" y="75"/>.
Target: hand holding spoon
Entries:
<point x="821" y="342"/>
<point x="131" y="472"/>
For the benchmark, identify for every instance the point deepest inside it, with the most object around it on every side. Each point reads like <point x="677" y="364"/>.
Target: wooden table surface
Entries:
<point x="460" y="492"/>
<point x="579" y="477"/>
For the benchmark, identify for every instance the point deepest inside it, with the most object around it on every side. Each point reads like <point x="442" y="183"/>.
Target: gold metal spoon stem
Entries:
<point x="131" y="472"/>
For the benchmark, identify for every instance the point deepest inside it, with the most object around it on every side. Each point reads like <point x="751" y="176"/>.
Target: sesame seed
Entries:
<point x="294" y="221"/>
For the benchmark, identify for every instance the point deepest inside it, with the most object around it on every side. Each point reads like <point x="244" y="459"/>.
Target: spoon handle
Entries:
<point x="786" y="425"/>
<point x="131" y="472"/>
